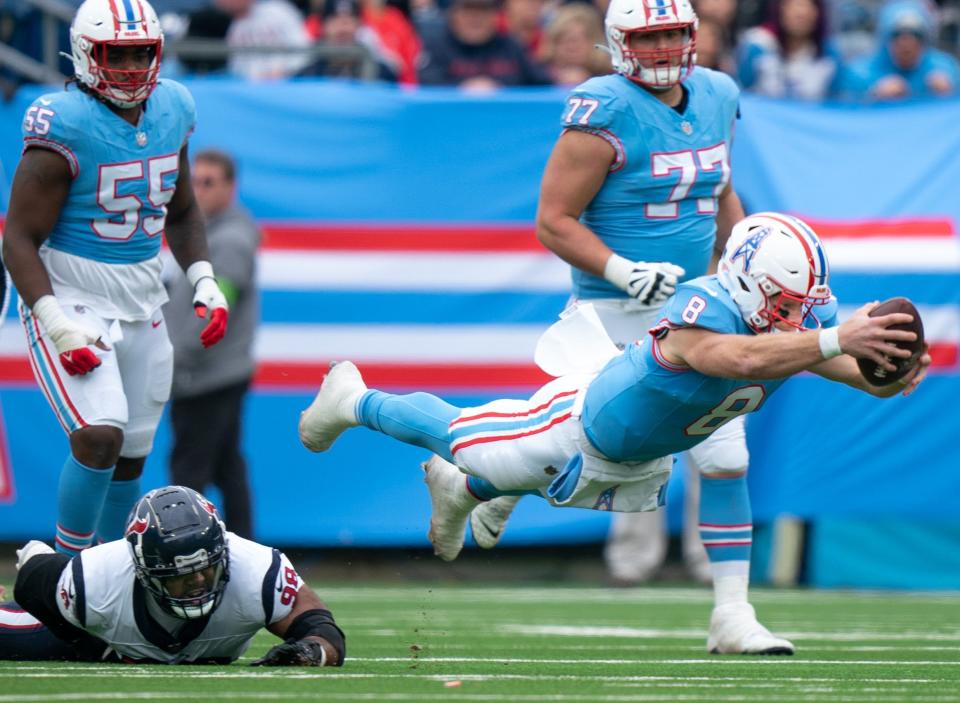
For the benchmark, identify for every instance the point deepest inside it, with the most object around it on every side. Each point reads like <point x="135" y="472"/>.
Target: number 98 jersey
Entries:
<point x="98" y="591"/>
<point x="123" y="176"/>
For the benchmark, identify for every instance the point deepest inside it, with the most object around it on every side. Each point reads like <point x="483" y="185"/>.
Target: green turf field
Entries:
<point x="449" y="643"/>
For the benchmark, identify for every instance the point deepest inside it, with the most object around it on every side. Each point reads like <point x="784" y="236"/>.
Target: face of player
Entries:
<point x="126" y="65"/>
<point x="787" y="312"/>
<point x="659" y="48"/>
<point x="193" y="585"/>
<point x="213" y="191"/>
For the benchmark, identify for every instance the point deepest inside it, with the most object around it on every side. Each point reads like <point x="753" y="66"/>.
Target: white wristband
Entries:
<point x="617" y="270"/>
<point x="830" y="342"/>
<point x="48" y="311"/>
<point x="198" y="270"/>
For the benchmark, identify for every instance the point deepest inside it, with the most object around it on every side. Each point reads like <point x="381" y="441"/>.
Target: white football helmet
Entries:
<point x="102" y="23"/>
<point x="769" y="254"/>
<point x="659" y="68"/>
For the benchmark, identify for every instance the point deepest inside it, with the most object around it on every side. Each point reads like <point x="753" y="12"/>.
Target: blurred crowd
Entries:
<point x="804" y="49"/>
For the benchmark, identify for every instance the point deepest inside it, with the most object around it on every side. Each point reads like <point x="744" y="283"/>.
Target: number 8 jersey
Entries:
<point x="115" y="211"/>
<point x="659" y="200"/>
<point x="641" y="406"/>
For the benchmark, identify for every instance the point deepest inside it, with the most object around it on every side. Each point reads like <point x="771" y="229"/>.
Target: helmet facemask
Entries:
<point x="171" y="587"/>
<point x="663" y="68"/>
<point x="125" y="88"/>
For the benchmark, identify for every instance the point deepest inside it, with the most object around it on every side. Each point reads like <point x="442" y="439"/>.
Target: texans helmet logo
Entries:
<point x="138" y="526"/>
<point x="208" y="506"/>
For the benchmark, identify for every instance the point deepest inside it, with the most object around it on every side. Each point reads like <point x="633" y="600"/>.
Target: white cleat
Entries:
<point x="452" y="504"/>
<point x="734" y="629"/>
<point x="489" y="518"/>
<point x="333" y="410"/>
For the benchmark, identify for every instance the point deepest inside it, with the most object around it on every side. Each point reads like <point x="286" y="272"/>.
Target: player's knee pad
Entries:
<point x="138" y="439"/>
<point x="726" y="458"/>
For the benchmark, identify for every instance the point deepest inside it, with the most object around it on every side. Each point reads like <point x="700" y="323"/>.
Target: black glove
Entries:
<point x="294" y="653"/>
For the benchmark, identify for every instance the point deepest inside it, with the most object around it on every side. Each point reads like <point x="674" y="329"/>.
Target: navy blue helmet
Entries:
<point x="179" y="549"/>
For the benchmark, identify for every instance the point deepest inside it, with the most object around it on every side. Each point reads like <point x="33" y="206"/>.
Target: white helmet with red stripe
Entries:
<point x="99" y="24"/>
<point x="659" y="68"/>
<point x="770" y="257"/>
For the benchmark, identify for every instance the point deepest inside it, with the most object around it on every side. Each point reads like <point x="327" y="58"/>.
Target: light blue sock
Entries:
<point x="121" y="497"/>
<point x="482" y="489"/>
<point x="726" y="523"/>
<point x="420" y="419"/>
<point x="80" y="497"/>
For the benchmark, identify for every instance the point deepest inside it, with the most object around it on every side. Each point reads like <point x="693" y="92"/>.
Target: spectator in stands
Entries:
<point x="391" y="36"/>
<point x="473" y="55"/>
<point x="568" y="50"/>
<point x="342" y="26"/>
<point x="265" y="23"/>
<point x="206" y="23"/>
<point x="209" y="386"/>
<point x="523" y="20"/>
<point x="905" y="64"/>
<point x="713" y="50"/>
<point x="789" y="55"/>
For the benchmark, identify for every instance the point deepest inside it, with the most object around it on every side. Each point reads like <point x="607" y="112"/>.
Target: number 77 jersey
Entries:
<point x="123" y="175"/>
<point x="641" y="406"/>
<point x="659" y="200"/>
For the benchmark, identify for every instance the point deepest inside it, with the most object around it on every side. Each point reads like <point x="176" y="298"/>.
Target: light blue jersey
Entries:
<point x="659" y="201"/>
<point x="123" y="176"/>
<point x="642" y="407"/>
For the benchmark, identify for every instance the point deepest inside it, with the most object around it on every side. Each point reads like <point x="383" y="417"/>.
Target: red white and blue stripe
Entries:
<point x="473" y="427"/>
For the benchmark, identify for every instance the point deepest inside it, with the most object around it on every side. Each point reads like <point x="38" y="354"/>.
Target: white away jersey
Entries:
<point x="99" y="592"/>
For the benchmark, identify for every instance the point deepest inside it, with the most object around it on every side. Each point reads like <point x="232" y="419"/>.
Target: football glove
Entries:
<point x="649" y="282"/>
<point x="71" y="338"/>
<point x="207" y="297"/>
<point x="294" y="653"/>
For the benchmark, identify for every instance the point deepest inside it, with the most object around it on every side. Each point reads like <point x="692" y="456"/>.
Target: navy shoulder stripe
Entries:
<point x="269" y="585"/>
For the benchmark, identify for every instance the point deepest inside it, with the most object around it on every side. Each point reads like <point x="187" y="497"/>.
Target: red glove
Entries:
<point x="217" y="327"/>
<point x="71" y="338"/>
<point x="77" y="362"/>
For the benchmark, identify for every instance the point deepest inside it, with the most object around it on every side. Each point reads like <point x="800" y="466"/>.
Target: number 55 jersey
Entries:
<point x="115" y="212"/>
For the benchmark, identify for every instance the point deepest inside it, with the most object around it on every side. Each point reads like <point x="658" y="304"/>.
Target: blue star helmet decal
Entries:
<point x="749" y="247"/>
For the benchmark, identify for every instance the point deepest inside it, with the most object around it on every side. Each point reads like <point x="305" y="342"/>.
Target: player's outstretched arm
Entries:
<point x="311" y="636"/>
<point x="729" y="212"/>
<point x="765" y="356"/>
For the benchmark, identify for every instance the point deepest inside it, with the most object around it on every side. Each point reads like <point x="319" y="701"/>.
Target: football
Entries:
<point x="881" y="377"/>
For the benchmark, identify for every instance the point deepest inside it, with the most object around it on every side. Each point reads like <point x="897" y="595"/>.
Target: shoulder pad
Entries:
<point x="56" y="121"/>
<point x="591" y="105"/>
<point x="694" y="305"/>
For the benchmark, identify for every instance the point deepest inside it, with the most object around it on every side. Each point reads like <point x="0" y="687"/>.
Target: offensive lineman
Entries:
<point x="178" y="589"/>
<point x="104" y="175"/>
<point x="603" y="441"/>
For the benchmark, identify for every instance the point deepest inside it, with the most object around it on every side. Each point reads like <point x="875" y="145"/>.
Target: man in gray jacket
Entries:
<point x="209" y="385"/>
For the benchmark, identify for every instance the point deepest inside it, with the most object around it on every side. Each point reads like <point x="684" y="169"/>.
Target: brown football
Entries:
<point x="881" y="377"/>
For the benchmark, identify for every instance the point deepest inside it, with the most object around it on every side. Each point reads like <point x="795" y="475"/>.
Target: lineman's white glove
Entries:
<point x="207" y="296"/>
<point x="649" y="282"/>
<point x="30" y="550"/>
<point x="71" y="339"/>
